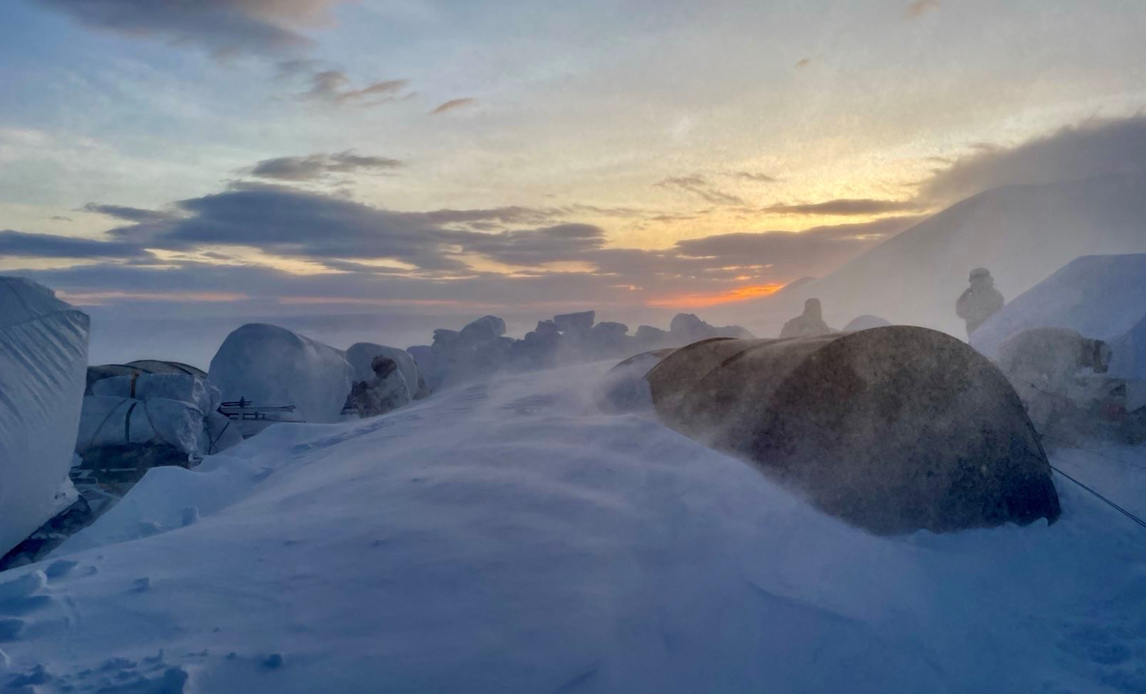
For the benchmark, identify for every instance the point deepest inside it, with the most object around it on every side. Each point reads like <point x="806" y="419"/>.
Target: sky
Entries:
<point x="255" y="157"/>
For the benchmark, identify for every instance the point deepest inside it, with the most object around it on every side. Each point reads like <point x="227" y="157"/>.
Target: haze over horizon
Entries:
<point x="267" y="157"/>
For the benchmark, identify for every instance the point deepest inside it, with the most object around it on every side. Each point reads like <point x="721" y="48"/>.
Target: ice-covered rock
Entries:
<point x="43" y="364"/>
<point x="482" y="330"/>
<point x="272" y="366"/>
<point x="575" y="322"/>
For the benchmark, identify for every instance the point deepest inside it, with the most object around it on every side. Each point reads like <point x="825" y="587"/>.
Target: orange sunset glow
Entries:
<point x="702" y="300"/>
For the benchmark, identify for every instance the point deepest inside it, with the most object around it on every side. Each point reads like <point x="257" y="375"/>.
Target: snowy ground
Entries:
<point x="509" y="538"/>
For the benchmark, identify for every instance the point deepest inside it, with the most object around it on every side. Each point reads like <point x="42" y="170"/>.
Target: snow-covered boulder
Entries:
<point x="575" y="322"/>
<point x="482" y="330"/>
<point x="43" y="364"/>
<point x="272" y="366"/>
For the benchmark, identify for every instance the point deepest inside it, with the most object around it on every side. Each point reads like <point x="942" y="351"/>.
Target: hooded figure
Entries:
<point x="386" y="391"/>
<point x="808" y="324"/>
<point x="1041" y="364"/>
<point x="980" y="301"/>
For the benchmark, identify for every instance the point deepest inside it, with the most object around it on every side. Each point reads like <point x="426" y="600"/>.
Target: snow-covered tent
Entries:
<point x="141" y="366"/>
<point x="43" y="357"/>
<point x="272" y="367"/>
<point x="893" y="429"/>
<point x="1100" y="296"/>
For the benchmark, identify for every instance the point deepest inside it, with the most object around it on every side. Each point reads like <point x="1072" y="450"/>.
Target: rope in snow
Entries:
<point x="1102" y="498"/>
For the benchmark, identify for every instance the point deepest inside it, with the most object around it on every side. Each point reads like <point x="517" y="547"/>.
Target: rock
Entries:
<point x="482" y="330"/>
<point x="575" y="322"/>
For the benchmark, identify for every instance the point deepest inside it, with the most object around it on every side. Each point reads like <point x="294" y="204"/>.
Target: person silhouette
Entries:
<point x="980" y="301"/>
<point x="808" y="324"/>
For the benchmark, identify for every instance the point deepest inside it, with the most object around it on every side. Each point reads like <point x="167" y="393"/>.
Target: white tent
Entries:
<point x="43" y="364"/>
<point x="272" y="366"/>
<point x="1100" y="296"/>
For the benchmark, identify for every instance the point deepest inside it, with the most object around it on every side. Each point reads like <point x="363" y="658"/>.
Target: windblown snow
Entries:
<point x="510" y="537"/>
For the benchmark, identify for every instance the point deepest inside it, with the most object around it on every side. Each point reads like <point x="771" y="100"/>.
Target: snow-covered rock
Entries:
<point x="272" y="366"/>
<point x="43" y="363"/>
<point x="1100" y="296"/>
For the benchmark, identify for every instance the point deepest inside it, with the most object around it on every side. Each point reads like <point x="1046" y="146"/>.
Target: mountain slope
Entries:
<point x="1021" y="233"/>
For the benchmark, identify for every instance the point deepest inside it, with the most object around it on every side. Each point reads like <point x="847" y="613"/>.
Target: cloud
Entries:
<point x="917" y="9"/>
<point x="60" y="218"/>
<point x="317" y="166"/>
<point x="846" y="207"/>
<point x="531" y="248"/>
<point x="699" y="185"/>
<point x="1096" y="147"/>
<point x="127" y="214"/>
<point x="453" y="104"/>
<point x="357" y="254"/>
<point x="18" y="244"/>
<point x="803" y="62"/>
<point x="330" y="86"/>
<point x="756" y="177"/>
<point x="221" y="26"/>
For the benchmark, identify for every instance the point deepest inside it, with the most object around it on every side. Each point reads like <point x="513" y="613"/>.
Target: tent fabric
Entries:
<point x="142" y="366"/>
<point x="43" y="356"/>
<point x="892" y="429"/>
<point x="118" y="421"/>
<point x="1100" y="296"/>
<point x="273" y="367"/>
<point x="170" y="386"/>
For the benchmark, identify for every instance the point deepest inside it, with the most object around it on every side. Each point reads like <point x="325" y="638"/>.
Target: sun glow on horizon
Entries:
<point x="703" y="300"/>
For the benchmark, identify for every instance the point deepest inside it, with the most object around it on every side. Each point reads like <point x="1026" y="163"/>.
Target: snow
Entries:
<point x="43" y="362"/>
<point x="510" y="537"/>
<point x="1100" y="296"/>
<point x="272" y="367"/>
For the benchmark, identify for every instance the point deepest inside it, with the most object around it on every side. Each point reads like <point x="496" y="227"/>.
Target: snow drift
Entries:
<point x="272" y="366"/>
<point x="505" y="537"/>
<point x="43" y="359"/>
<point x="893" y="429"/>
<point x="1100" y="296"/>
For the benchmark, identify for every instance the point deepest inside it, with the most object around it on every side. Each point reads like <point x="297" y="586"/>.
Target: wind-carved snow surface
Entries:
<point x="509" y="537"/>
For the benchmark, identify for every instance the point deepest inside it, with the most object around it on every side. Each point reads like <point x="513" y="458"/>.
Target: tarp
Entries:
<point x="892" y="429"/>
<point x="1100" y="296"/>
<point x="141" y="366"/>
<point x="272" y="367"/>
<point x="117" y="421"/>
<point x="43" y="357"/>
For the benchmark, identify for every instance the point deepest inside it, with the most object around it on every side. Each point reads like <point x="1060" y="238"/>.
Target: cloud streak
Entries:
<point x="318" y="166"/>
<point x="698" y="185"/>
<point x="220" y="26"/>
<point x="848" y="207"/>
<point x="453" y="105"/>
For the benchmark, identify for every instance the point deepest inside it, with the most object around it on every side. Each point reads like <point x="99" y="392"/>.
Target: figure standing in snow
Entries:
<point x="809" y="324"/>
<point x="1041" y="364"/>
<point x="385" y="392"/>
<point x="980" y="301"/>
